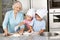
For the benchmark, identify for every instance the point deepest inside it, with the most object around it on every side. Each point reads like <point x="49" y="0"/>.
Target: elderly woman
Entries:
<point x="13" y="18"/>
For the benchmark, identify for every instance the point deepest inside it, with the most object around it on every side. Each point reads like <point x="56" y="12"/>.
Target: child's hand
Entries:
<point x="32" y="31"/>
<point x="41" y="32"/>
<point x="29" y="31"/>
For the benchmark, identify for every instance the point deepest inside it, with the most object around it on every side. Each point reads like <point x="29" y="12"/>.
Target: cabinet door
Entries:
<point x="25" y="5"/>
<point x="37" y="4"/>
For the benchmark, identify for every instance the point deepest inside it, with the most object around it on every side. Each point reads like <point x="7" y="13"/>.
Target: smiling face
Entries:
<point x="38" y="17"/>
<point x="17" y="7"/>
<point x="29" y="18"/>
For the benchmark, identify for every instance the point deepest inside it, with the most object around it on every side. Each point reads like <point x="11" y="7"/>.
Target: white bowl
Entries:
<point x="15" y="35"/>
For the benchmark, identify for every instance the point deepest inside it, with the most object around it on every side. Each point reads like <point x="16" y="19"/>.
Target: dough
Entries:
<point x="26" y="33"/>
<point x="16" y="35"/>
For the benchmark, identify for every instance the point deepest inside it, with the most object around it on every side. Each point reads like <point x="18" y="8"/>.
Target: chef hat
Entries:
<point x="41" y="12"/>
<point x="31" y="12"/>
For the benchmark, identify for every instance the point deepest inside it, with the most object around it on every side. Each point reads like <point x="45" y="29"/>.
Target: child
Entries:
<point x="38" y="23"/>
<point x="27" y="20"/>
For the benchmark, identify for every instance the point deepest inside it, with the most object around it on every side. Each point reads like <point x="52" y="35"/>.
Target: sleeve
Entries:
<point x="5" y="22"/>
<point x="43" y="25"/>
<point x="24" y="21"/>
<point x="22" y="17"/>
<point x="32" y="22"/>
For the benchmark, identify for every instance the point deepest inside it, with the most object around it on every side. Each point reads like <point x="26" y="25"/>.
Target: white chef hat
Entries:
<point x="31" y="12"/>
<point x="41" y="12"/>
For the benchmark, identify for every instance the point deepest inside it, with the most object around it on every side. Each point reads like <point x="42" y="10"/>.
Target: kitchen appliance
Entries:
<point x="54" y="3"/>
<point x="54" y="15"/>
<point x="54" y="23"/>
<point x="54" y="19"/>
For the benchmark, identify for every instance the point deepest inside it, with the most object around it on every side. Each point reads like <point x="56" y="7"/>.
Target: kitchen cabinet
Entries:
<point x="25" y="5"/>
<point x="37" y="4"/>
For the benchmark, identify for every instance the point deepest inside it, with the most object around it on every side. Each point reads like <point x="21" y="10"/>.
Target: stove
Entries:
<point x="54" y="15"/>
<point x="54" y="18"/>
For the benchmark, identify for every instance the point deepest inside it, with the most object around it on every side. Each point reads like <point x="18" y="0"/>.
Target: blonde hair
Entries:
<point x="15" y="3"/>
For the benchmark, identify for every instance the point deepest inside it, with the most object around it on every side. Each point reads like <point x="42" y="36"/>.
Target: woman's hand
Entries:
<point x="6" y="32"/>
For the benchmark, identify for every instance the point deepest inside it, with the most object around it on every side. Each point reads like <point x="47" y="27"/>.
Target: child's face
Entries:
<point x="28" y="17"/>
<point x="38" y="17"/>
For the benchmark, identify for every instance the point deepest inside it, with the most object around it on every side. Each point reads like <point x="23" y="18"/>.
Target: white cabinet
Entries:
<point x="37" y="4"/>
<point x="25" y="5"/>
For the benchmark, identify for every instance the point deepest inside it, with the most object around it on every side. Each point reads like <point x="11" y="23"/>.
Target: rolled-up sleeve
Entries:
<point x="5" y="22"/>
<point x="22" y="18"/>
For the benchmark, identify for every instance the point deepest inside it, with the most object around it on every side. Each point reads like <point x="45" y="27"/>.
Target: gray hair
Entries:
<point x="15" y="3"/>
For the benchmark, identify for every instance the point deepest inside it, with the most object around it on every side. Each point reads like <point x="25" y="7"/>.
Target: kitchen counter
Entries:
<point x="24" y="37"/>
<point x="34" y="36"/>
<point x="54" y="35"/>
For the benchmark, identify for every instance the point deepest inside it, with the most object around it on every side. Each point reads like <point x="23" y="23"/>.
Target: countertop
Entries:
<point x="24" y="37"/>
